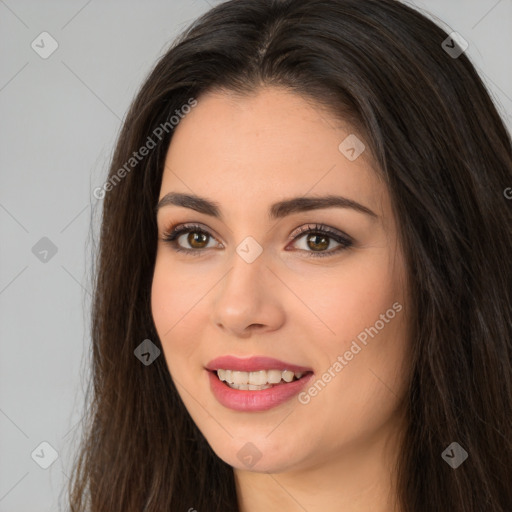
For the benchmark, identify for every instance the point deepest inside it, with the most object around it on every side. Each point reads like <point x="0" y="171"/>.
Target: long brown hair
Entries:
<point x="446" y="157"/>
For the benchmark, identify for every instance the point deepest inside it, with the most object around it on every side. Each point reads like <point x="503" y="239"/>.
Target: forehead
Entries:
<point x="252" y="150"/>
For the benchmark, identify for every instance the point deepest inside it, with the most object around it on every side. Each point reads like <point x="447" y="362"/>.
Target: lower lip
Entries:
<point x="259" y="400"/>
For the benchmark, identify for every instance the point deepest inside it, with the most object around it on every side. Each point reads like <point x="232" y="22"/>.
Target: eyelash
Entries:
<point x="175" y="232"/>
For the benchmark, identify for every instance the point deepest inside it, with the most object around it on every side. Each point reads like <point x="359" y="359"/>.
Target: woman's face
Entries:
<point x="328" y="308"/>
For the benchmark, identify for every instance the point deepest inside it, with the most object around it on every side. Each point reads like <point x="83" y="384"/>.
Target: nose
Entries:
<point x="248" y="299"/>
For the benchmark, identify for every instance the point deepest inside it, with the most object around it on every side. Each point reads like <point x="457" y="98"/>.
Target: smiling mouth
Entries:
<point x="258" y="380"/>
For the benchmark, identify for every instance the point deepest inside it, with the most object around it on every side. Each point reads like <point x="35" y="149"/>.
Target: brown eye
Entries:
<point x="318" y="238"/>
<point x="197" y="239"/>
<point x="317" y="242"/>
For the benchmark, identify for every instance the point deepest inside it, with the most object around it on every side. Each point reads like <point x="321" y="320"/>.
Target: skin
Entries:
<point x="245" y="153"/>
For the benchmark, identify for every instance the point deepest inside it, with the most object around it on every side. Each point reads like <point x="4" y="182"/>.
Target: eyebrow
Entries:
<point x="277" y="210"/>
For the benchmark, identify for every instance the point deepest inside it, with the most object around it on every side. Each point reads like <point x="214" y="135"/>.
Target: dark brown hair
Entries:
<point x="446" y="158"/>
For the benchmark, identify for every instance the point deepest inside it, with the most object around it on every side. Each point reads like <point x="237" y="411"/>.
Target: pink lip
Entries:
<point x="253" y="364"/>
<point x="257" y="400"/>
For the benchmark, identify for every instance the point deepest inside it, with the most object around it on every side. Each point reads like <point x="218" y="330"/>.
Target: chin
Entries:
<point x="258" y="453"/>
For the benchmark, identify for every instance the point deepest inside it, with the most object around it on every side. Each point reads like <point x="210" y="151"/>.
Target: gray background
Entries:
<point x="59" y="120"/>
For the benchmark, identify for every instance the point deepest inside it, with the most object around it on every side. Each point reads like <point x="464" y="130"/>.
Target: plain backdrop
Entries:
<point x="60" y="117"/>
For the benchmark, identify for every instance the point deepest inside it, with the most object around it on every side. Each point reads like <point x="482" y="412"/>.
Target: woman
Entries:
<point x="303" y="296"/>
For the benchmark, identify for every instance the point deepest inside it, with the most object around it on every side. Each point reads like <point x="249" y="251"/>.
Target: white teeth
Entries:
<point x="240" y="377"/>
<point x="287" y="376"/>
<point x="258" y="378"/>
<point x="274" y="376"/>
<point x="261" y="379"/>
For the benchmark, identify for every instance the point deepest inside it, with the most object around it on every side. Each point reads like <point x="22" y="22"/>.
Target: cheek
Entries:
<point x="353" y="297"/>
<point x="365" y="312"/>
<point x="172" y="306"/>
<point x="162" y="301"/>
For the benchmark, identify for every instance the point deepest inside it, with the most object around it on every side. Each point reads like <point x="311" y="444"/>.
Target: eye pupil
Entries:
<point x="322" y="237"/>
<point x="193" y="236"/>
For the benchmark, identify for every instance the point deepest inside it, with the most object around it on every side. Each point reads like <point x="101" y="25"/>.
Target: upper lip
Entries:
<point x="253" y="364"/>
